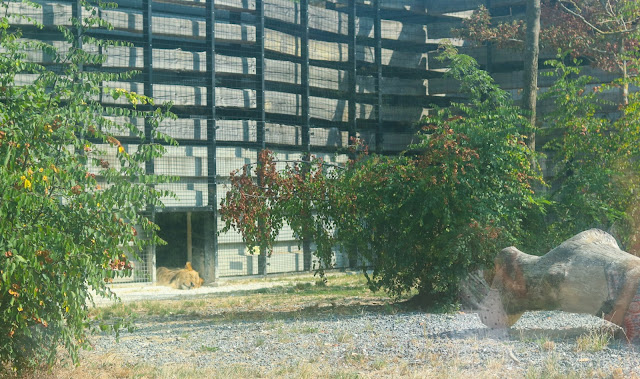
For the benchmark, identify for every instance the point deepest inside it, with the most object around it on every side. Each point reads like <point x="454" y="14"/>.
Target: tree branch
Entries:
<point x="609" y="10"/>
<point x="578" y="15"/>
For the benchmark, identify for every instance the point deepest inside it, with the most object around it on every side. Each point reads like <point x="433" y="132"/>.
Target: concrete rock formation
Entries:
<point x="588" y="273"/>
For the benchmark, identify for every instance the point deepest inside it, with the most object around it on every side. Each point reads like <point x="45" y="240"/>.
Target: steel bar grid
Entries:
<point x="296" y="77"/>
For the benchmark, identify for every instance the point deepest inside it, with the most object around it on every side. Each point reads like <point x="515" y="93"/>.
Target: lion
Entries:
<point x="179" y="278"/>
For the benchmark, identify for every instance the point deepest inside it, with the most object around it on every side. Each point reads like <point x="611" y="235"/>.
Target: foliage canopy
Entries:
<point x="72" y="195"/>
<point x="605" y="33"/>
<point x="420" y="220"/>
<point x="595" y="169"/>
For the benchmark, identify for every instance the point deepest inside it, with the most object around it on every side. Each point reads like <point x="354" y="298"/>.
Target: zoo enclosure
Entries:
<point x="296" y="77"/>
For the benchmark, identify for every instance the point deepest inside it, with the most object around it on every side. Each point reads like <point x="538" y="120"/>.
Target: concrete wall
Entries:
<point x="179" y="71"/>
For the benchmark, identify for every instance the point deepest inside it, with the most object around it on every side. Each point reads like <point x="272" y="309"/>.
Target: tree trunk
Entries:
<point x="531" y="52"/>
<point x="625" y="73"/>
<point x="307" y="256"/>
<point x="588" y="273"/>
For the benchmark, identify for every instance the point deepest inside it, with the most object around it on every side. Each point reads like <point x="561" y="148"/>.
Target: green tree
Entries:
<point x="426" y="219"/>
<point x="302" y="195"/>
<point x="421" y="220"/>
<point x="606" y="33"/>
<point x="595" y="161"/>
<point x="592" y="159"/>
<point x="72" y="196"/>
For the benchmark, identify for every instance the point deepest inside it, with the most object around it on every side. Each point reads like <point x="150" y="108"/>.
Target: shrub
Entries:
<point x="425" y="219"/>
<point x="421" y="220"/>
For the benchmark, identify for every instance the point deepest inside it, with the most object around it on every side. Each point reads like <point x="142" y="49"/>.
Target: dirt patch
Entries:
<point x="139" y="292"/>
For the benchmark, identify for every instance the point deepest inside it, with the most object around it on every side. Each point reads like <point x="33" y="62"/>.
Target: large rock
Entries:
<point x="588" y="273"/>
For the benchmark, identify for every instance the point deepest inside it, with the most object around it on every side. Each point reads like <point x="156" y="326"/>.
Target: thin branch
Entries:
<point x="616" y="18"/>
<point x="278" y="197"/>
<point x="335" y="165"/>
<point x="608" y="8"/>
<point x="595" y="28"/>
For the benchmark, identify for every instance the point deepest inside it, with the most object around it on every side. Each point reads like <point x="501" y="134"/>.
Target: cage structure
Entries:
<point x="296" y="77"/>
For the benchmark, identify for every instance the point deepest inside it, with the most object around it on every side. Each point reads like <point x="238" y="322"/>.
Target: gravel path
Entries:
<point x="372" y="340"/>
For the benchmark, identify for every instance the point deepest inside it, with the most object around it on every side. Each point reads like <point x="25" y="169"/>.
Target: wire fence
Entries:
<point x="295" y="77"/>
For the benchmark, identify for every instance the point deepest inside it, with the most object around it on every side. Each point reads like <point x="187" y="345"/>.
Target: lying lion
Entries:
<point x="179" y="278"/>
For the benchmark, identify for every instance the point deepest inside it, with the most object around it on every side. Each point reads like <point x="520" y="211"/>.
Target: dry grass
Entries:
<point x="304" y="298"/>
<point x="593" y="342"/>
<point x="354" y="366"/>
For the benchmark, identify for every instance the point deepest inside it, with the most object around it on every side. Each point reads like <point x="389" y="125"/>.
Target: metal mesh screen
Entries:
<point x="293" y="76"/>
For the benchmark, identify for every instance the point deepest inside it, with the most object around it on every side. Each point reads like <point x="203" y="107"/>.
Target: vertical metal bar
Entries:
<point x="304" y="52"/>
<point x="211" y="272"/>
<point x="377" y="35"/>
<point x="147" y="36"/>
<point x="306" y="119"/>
<point x="352" y="71"/>
<point x="260" y="102"/>
<point x="76" y="13"/>
<point x="148" y="71"/>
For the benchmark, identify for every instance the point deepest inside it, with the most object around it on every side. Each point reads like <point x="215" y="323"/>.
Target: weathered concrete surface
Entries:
<point x="588" y="273"/>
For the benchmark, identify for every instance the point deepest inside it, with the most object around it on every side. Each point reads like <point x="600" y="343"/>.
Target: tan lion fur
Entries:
<point x="179" y="278"/>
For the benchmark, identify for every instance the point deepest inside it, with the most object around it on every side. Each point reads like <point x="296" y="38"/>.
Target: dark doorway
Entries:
<point x="174" y="230"/>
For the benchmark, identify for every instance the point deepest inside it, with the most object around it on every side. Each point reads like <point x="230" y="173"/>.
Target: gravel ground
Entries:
<point x="375" y="339"/>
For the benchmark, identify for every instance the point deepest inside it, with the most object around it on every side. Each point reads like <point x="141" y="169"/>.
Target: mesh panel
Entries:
<point x="291" y="76"/>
